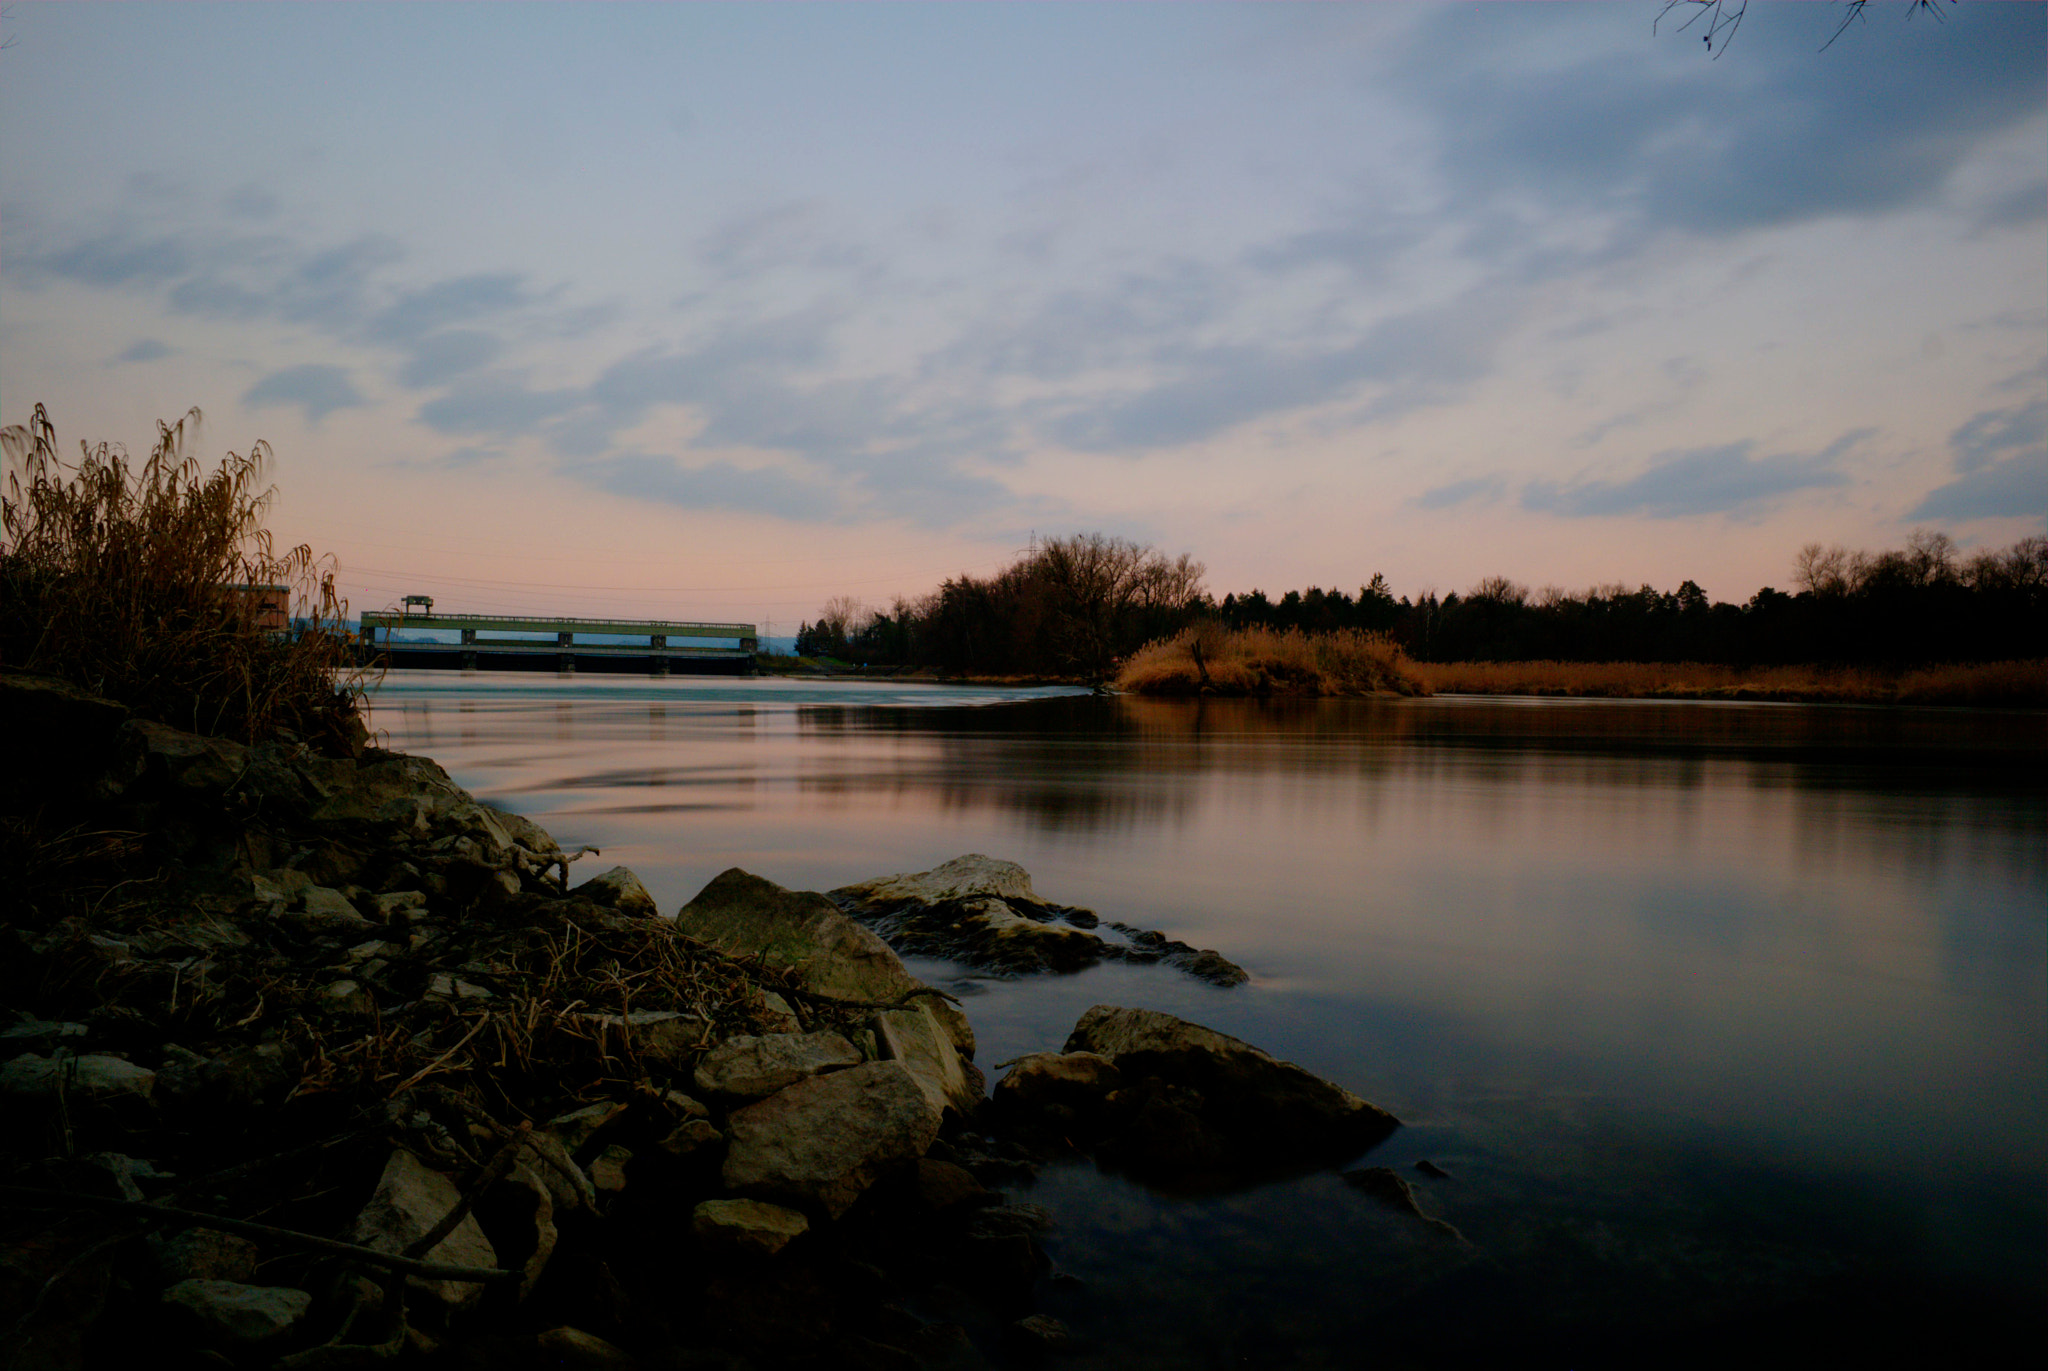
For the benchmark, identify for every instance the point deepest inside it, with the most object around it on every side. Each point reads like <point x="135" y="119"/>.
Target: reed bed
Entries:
<point x="123" y="578"/>
<point x="1208" y="659"/>
<point x="1985" y="684"/>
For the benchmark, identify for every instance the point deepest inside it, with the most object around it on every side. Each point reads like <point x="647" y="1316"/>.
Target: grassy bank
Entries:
<point x="1988" y="684"/>
<point x="1209" y="659"/>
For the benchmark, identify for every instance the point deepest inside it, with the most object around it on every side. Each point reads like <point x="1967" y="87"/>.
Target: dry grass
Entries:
<point x="118" y="578"/>
<point x="1210" y="659"/>
<point x="2008" y="684"/>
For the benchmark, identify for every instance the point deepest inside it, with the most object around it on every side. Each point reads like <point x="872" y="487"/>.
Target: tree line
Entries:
<point x="1077" y="606"/>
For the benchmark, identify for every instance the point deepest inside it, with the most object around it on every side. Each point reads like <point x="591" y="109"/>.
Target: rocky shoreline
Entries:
<point x="314" y="1061"/>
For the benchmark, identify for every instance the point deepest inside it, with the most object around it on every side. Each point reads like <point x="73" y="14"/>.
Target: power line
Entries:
<point x="488" y="582"/>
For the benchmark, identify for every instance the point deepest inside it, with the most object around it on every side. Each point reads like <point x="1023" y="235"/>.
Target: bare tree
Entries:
<point x="842" y="617"/>
<point x="1724" y="17"/>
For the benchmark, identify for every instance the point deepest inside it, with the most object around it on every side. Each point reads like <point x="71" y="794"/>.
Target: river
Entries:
<point x="1728" y="1021"/>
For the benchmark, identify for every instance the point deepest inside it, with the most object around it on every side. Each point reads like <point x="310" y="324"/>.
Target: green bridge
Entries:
<point x="521" y="642"/>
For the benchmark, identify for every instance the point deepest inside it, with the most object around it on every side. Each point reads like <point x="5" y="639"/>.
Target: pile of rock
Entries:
<point x="325" y="1064"/>
<point x="982" y="912"/>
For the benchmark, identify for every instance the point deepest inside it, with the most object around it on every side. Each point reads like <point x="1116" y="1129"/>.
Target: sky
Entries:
<point x="719" y="311"/>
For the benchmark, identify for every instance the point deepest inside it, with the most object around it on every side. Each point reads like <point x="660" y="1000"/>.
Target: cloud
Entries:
<point x="460" y="300"/>
<point x="1209" y="390"/>
<point x="316" y="388"/>
<point x="2010" y="489"/>
<point x="2019" y="208"/>
<point x="117" y="258"/>
<point x="144" y="350"/>
<point x="1985" y="437"/>
<point x="718" y="485"/>
<point x="251" y="202"/>
<point x="1073" y="331"/>
<point x="1775" y="135"/>
<point x="790" y="235"/>
<point x="2002" y="458"/>
<point x="452" y="460"/>
<point x="1479" y="488"/>
<point x="1716" y="480"/>
<point x="498" y="403"/>
<point x="441" y="357"/>
<point x="271" y="278"/>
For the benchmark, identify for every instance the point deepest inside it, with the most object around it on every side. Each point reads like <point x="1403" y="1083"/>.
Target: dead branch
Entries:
<point x="31" y="1197"/>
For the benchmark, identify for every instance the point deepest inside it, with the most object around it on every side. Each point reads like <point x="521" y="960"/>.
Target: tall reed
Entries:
<point x="1209" y="659"/>
<point x="121" y="578"/>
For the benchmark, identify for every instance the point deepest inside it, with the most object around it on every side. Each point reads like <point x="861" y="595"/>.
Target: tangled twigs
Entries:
<point x="416" y="1077"/>
<point x="31" y="1197"/>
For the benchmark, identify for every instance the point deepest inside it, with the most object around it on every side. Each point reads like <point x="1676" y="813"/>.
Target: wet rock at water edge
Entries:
<point x="619" y="889"/>
<point x="1391" y="1189"/>
<point x="743" y="915"/>
<point x="982" y="912"/>
<point x="1197" y="1106"/>
<point x="1066" y="1092"/>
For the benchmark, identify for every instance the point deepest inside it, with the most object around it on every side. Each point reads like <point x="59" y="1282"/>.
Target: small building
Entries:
<point x="268" y="609"/>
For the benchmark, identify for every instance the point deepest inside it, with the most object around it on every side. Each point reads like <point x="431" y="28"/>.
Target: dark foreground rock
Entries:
<point x="982" y="912"/>
<point x="1183" y="1105"/>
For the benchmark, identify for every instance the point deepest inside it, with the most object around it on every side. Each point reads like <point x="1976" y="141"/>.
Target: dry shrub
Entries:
<point x="1990" y="684"/>
<point x="119" y="578"/>
<point x="2022" y="684"/>
<point x="1210" y="659"/>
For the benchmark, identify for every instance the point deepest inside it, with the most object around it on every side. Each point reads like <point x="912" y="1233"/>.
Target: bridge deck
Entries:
<point x="520" y="623"/>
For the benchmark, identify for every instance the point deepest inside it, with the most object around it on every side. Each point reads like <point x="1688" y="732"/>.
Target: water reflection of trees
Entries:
<point x="1083" y="762"/>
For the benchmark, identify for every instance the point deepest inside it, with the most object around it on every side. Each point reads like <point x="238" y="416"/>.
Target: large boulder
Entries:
<point x="1065" y="1092"/>
<point x="745" y="916"/>
<point x="915" y="1039"/>
<point x="750" y="1067"/>
<point x="1195" y="1103"/>
<point x="819" y="1144"/>
<point x="239" y="1318"/>
<point x="619" y="889"/>
<point x="983" y="912"/>
<point x="409" y="1200"/>
<point x="60" y="739"/>
<point x="965" y="877"/>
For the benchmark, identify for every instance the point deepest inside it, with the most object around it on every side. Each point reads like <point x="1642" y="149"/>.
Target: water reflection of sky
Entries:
<point x="1817" y="931"/>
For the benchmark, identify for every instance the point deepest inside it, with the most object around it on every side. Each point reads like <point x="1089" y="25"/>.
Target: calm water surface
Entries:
<point x="1730" y="1021"/>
